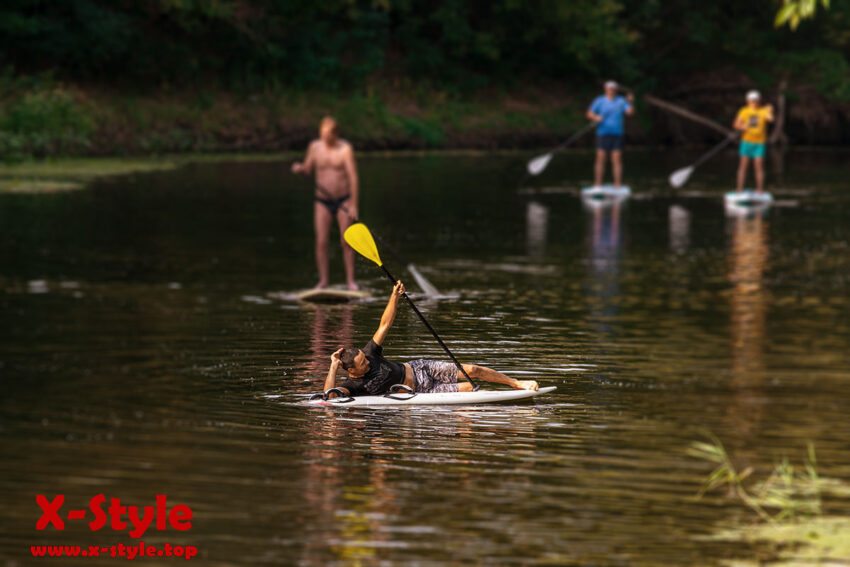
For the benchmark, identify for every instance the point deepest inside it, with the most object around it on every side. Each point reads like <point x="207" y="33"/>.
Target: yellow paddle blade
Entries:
<point x="359" y="238"/>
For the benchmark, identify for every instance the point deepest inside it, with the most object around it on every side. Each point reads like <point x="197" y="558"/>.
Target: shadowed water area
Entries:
<point x="141" y="353"/>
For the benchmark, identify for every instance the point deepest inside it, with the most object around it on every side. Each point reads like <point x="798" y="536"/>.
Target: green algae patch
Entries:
<point x="37" y="186"/>
<point x="67" y="174"/>
<point x="52" y="175"/>
<point x="811" y="541"/>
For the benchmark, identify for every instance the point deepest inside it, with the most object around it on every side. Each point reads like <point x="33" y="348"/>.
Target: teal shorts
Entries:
<point x="751" y="150"/>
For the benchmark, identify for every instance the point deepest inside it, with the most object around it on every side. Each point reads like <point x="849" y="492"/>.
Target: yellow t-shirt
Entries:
<point x="756" y="122"/>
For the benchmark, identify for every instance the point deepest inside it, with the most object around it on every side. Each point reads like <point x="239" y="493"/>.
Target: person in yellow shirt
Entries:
<point x="752" y="121"/>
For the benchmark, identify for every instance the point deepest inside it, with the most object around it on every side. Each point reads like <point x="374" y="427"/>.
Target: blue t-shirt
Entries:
<point x="612" y="112"/>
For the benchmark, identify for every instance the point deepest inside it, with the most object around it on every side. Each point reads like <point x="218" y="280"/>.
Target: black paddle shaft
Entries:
<point x="715" y="149"/>
<point x="587" y="128"/>
<point x="433" y="332"/>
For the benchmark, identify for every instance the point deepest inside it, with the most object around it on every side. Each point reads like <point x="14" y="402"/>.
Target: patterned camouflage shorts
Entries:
<point x="433" y="376"/>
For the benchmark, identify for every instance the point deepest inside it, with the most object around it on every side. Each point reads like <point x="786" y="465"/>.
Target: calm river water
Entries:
<point x="141" y="354"/>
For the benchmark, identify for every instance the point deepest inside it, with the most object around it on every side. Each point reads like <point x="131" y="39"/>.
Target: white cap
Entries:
<point x="610" y="84"/>
<point x="753" y="95"/>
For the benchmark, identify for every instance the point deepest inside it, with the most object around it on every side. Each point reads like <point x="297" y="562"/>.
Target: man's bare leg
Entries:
<point x="758" y="165"/>
<point x="599" y="168"/>
<point x="490" y="375"/>
<point x="344" y="222"/>
<point x="322" y="220"/>
<point x="742" y="172"/>
<point x="617" y="167"/>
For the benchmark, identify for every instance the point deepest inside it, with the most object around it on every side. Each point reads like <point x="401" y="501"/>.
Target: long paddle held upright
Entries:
<point x="681" y="176"/>
<point x="359" y="238"/>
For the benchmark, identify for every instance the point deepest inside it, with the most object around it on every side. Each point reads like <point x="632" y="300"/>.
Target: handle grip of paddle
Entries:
<point x="425" y="322"/>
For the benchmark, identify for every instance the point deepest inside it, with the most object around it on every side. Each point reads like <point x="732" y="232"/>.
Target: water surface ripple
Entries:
<point x="145" y="350"/>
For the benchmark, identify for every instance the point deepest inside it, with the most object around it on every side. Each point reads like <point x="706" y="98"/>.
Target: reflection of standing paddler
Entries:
<point x="748" y="306"/>
<point x="679" y="228"/>
<point x="607" y="110"/>
<point x="351" y="510"/>
<point x="324" y="333"/>
<point x="606" y="235"/>
<point x="536" y="227"/>
<point x="603" y="286"/>
<point x="336" y="176"/>
<point x="752" y="122"/>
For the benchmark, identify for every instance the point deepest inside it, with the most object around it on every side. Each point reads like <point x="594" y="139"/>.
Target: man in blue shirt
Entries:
<point x="607" y="111"/>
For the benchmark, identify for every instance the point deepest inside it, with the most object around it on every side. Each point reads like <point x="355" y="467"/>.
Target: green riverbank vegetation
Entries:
<point x="50" y="118"/>
<point x="94" y="77"/>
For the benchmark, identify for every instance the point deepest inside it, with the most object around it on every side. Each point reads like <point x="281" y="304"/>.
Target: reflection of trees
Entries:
<point x="748" y="307"/>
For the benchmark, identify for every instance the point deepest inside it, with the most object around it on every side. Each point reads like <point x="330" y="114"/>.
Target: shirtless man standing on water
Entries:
<point x="336" y="195"/>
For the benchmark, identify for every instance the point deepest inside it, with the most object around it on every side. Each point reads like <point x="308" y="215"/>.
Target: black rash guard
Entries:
<point x="381" y="375"/>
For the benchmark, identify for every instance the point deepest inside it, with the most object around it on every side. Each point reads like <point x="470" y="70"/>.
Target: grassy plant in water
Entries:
<point x="725" y="473"/>
<point x="786" y="494"/>
<point x="789" y="503"/>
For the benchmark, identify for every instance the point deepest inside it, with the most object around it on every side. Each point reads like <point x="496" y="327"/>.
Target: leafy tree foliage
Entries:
<point x="452" y="44"/>
<point x="795" y="11"/>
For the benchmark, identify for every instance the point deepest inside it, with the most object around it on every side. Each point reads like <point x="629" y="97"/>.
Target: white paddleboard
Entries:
<point x="606" y="192"/>
<point x="748" y="198"/>
<point x="440" y="399"/>
<point x="331" y="295"/>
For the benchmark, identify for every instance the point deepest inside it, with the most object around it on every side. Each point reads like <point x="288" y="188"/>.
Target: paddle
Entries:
<point x="538" y="164"/>
<point x="359" y="238"/>
<point x="427" y="287"/>
<point x="681" y="176"/>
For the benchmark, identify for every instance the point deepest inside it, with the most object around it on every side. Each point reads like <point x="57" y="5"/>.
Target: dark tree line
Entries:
<point x="459" y="45"/>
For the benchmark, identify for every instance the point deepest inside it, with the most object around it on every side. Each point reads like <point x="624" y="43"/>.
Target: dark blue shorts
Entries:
<point x="609" y="143"/>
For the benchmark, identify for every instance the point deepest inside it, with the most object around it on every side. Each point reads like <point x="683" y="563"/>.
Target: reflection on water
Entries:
<point x="655" y="319"/>
<point x="748" y="256"/>
<point x="536" y="228"/>
<point x="331" y="328"/>
<point x="679" y="220"/>
<point x="604" y="234"/>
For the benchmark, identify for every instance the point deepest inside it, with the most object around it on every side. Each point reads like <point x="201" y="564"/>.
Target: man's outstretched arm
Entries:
<point x="389" y="314"/>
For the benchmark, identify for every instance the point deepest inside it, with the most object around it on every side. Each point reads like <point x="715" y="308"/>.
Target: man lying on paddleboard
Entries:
<point x="370" y="374"/>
